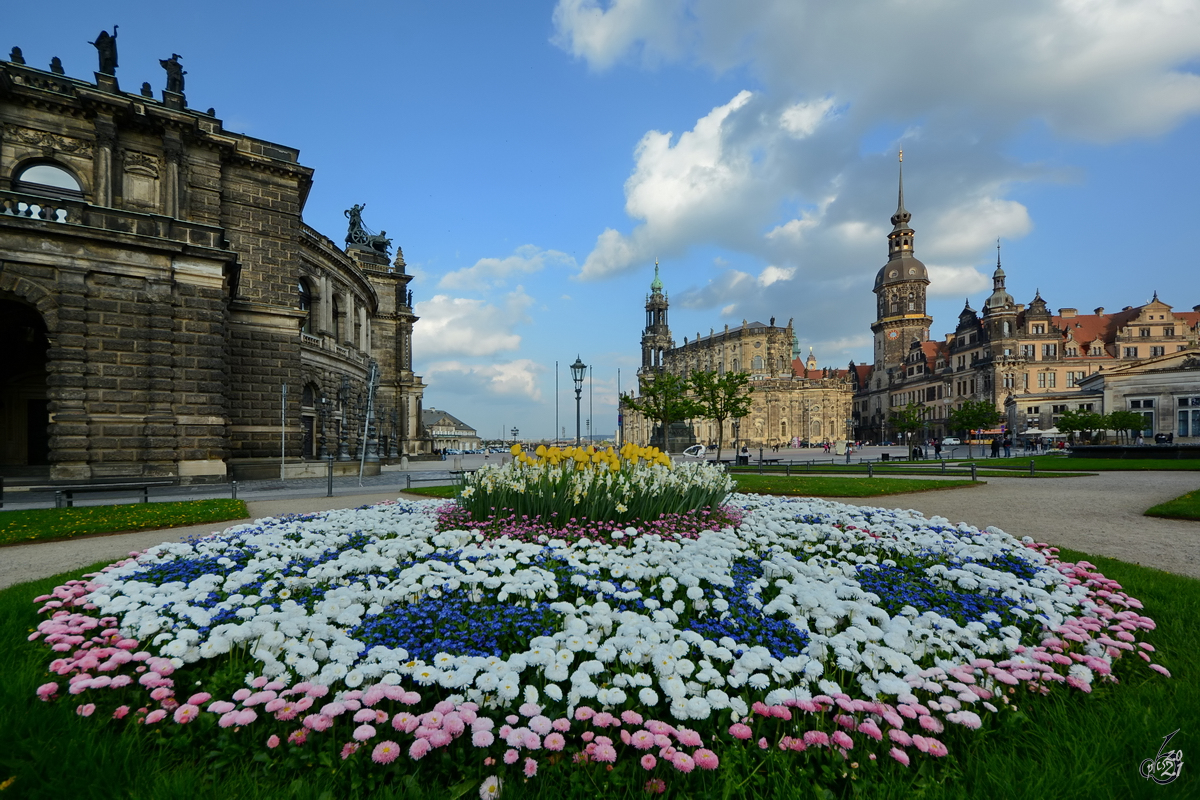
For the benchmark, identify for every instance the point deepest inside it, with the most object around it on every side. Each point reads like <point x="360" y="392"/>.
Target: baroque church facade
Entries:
<point x="1027" y="360"/>
<point x="792" y="399"/>
<point x="166" y="310"/>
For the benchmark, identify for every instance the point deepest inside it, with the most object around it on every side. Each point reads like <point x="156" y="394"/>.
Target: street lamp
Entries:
<point x="578" y="371"/>
<point x="515" y="433"/>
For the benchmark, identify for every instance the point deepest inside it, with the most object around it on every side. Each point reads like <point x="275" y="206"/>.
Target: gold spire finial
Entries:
<point x="901" y="155"/>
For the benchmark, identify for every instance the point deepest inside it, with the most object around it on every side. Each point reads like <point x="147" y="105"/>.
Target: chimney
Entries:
<point x="1127" y="308"/>
<point x="1067" y="313"/>
<point x="1020" y="307"/>
<point x="1099" y="310"/>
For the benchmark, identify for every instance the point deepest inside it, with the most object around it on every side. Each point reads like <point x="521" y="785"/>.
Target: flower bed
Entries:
<point x="820" y="630"/>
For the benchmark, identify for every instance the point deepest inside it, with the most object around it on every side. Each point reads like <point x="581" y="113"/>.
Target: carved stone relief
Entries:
<point x="48" y="143"/>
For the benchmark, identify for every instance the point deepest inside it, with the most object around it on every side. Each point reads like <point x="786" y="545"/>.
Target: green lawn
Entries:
<point x="832" y="486"/>
<point x="44" y="524"/>
<point x="435" y="491"/>
<point x="1184" y="507"/>
<point x="1060" y="462"/>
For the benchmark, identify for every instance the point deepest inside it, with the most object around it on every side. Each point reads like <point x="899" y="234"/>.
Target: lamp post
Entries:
<point x="515" y="433"/>
<point x="578" y="371"/>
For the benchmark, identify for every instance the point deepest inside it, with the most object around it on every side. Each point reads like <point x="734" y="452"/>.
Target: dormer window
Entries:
<point x="47" y="178"/>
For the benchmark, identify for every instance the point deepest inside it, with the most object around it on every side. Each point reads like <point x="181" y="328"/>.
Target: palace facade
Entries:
<point x="1026" y="359"/>
<point x="166" y="311"/>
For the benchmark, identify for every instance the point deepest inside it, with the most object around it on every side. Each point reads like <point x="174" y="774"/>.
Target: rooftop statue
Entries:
<point x="363" y="238"/>
<point x="106" y="48"/>
<point x="175" y="73"/>
<point x="16" y="57"/>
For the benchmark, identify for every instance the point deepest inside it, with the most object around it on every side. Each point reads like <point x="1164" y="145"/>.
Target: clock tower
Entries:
<point x="900" y="292"/>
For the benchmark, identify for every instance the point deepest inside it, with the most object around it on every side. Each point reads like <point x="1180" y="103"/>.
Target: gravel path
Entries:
<point x="1100" y="515"/>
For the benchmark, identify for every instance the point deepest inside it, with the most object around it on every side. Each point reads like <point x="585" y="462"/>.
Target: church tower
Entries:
<point x="900" y="292"/>
<point x="656" y="338"/>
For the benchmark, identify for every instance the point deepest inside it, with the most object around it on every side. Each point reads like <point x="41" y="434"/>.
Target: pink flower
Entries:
<point x="529" y="709"/>
<point x="603" y="719"/>
<point x="440" y="738"/>
<point x="922" y="743"/>
<point x="530" y="740"/>
<point x="151" y="718"/>
<point x="1160" y="669"/>
<point x="819" y="738"/>
<point x="656" y="786"/>
<point x="47" y="690"/>
<point x="935" y="748"/>
<point x="605" y="753"/>
<point x="273" y="741"/>
<point x="120" y="712"/>
<point x="932" y="724"/>
<point x="871" y="729"/>
<point x="362" y="715"/>
<point x="583" y="713"/>
<point x="688" y="737"/>
<point x="899" y="755"/>
<point x="364" y="732"/>
<point x="530" y="767"/>
<point x="186" y="713"/>
<point x="199" y="699"/>
<point x="541" y="725"/>
<point x="643" y="739"/>
<point x="385" y="752"/>
<point x="683" y="762"/>
<point x="562" y="724"/>
<point x="763" y="744"/>
<point x="245" y="716"/>
<point x="649" y="761"/>
<point x="842" y="740"/>
<point x="241" y="694"/>
<point x="419" y="749"/>
<point x="511" y="756"/>
<point x="631" y="718"/>
<point x="221" y="707"/>
<point x="298" y="736"/>
<point x="740" y="731"/>
<point x="900" y="737"/>
<point x="706" y="759"/>
<point x="554" y="741"/>
<point x="87" y="709"/>
<point x="349" y="749"/>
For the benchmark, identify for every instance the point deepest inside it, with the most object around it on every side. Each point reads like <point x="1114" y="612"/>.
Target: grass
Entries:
<point x="1061" y="462"/>
<point x="827" y="486"/>
<point x="1184" y="507"/>
<point x="1066" y="746"/>
<point x="45" y="524"/>
<point x="449" y="492"/>
<point x="999" y="469"/>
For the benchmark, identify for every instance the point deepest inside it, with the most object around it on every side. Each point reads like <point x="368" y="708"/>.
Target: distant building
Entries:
<point x="1028" y="361"/>
<point x="448" y="432"/>
<point x="792" y="400"/>
<point x="159" y="287"/>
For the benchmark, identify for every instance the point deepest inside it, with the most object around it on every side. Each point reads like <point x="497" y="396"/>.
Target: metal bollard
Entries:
<point x="329" y="479"/>
<point x="870" y="469"/>
<point x="408" y="481"/>
<point x="1032" y="464"/>
<point x="973" y="471"/>
<point x="789" y="472"/>
<point x="58" y="499"/>
<point x="233" y="488"/>
<point x="943" y="466"/>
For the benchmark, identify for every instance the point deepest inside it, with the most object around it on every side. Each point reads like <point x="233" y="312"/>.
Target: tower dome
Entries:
<point x="901" y="265"/>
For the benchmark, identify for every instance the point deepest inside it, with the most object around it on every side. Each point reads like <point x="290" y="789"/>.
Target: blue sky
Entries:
<point x="533" y="159"/>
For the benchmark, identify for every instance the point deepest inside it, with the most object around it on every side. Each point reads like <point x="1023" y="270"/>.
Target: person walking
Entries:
<point x="1007" y="446"/>
<point x="937" y="448"/>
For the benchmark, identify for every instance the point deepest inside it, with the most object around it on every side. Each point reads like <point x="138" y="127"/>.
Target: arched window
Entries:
<point x="758" y="363"/>
<point x="337" y="321"/>
<point x="306" y="306"/>
<point x="46" y="177"/>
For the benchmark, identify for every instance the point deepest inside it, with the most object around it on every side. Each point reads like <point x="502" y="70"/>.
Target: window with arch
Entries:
<point x="758" y="363"/>
<point x="337" y="320"/>
<point x="735" y="365"/>
<point x="47" y="177"/>
<point x="306" y="306"/>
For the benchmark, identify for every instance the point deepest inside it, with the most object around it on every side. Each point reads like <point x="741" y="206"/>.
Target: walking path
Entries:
<point x="1100" y="515"/>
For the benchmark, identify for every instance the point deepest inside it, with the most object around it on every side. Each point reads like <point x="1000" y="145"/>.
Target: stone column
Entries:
<point x="106" y="140"/>
<point x="173" y="154"/>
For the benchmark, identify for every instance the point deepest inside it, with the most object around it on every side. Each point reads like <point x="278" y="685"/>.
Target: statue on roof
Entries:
<point x="175" y="73"/>
<point x="106" y="48"/>
<point x="360" y="237"/>
<point x="16" y="57"/>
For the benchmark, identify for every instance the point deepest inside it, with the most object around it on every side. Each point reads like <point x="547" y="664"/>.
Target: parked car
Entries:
<point x="697" y="450"/>
<point x="949" y="440"/>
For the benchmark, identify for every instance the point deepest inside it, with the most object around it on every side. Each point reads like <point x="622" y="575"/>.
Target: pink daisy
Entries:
<point x="649" y="761"/>
<point x="385" y="752"/>
<point x="899" y="755"/>
<point x="706" y="759"/>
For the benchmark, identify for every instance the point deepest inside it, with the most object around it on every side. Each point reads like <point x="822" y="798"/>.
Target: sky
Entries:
<point x="534" y="159"/>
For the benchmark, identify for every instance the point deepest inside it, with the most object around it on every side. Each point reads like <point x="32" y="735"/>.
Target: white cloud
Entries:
<point x="601" y="36"/>
<point x="773" y="274"/>
<point x="487" y="273"/>
<point x="955" y="281"/>
<point x="462" y="326"/>
<point x="517" y="379"/>
<point x="802" y="119"/>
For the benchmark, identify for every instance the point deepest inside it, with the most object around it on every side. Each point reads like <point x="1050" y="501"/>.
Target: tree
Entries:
<point x="1078" y="420"/>
<point x="720" y="397"/>
<point x="1126" y="422"/>
<point x="973" y="415"/>
<point x="663" y="399"/>
<point x="909" y="419"/>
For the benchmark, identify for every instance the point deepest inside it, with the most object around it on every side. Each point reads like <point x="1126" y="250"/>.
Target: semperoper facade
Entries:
<point x="159" y="287"/>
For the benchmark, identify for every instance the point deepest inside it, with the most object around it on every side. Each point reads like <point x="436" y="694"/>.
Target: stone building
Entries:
<point x="1008" y="350"/>
<point x="159" y="289"/>
<point x="792" y="400"/>
<point x="448" y="432"/>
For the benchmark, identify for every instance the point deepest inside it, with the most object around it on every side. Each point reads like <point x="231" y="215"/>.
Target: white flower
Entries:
<point x="648" y="696"/>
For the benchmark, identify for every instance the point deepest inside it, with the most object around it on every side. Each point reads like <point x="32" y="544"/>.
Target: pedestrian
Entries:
<point x="1140" y="440"/>
<point x="995" y="447"/>
<point x="1007" y="446"/>
<point x="937" y="448"/>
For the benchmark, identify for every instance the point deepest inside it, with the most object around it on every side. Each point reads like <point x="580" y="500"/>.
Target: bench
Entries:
<point x="68" y="493"/>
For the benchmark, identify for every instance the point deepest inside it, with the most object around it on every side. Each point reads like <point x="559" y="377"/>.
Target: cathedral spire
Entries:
<point x="656" y="285"/>
<point x="901" y="218"/>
